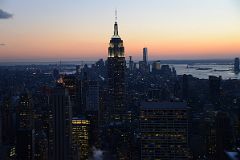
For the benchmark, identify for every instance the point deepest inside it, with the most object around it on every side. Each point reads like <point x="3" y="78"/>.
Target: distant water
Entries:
<point x="198" y="68"/>
<point x="203" y="71"/>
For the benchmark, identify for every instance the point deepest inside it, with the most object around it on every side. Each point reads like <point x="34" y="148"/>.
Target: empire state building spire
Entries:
<point x="116" y="48"/>
<point x="115" y="25"/>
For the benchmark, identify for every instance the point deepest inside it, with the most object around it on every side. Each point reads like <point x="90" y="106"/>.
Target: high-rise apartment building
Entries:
<point x="24" y="128"/>
<point x="61" y="124"/>
<point x="80" y="138"/>
<point x="236" y="65"/>
<point x="164" y="130"/>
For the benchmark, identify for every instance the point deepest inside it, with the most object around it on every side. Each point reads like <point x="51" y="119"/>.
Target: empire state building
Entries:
<point x="116" y="78"/>
<point x="118" y="134"/>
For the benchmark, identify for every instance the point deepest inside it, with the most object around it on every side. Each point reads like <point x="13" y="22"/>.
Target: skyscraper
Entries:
<point x="92" y="96"/>
<point x="145" y="55"/>
<point x="185" y="87"/>
<point x="24" y="131"/>
<point x="7" y="130"/>
<point x="223" y="135"/>
<point x="131" y="63"/>
<point x="143" y="65"/>
<point x="73" y="84"/>
<point x="164" y="130"/>
<point x="214" y="88"/>
<point x="41" y="146"/>
<point x="80" y="138"/>
<point x="156" y="67"/>
<point x="116" y="77"/>
<point x="61" y="123"/>
<point x="118" y="133"/>
<point x="236" y="65"/>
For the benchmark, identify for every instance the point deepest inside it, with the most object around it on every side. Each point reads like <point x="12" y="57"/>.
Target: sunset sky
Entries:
<point x="81" y="29"/>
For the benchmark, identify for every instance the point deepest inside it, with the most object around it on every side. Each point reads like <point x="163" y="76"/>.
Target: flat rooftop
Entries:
<point x="164" y="105"/>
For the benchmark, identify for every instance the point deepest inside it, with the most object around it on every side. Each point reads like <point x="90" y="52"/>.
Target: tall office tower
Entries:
<point x="73" y="84"/>
<point x="118" y="134"/>
<point x="92" y="96"/>
<point x="185" y="87"/>
<point x="7" y="127"/>
<point x="223" y="135"/>
<point x="236" y="65"/>
<point x="131" y="63"/>
<point x="24" y="129"/>
<point x="92" y="110"/>
<point x="56" y="74"/>
<point x="214" y="87"/>
<point x="209" y="134"/>
<point x="116" y="77"/>
<point x="143" y="65"/>
<point x="78" y="69"/>
<point x="164" y="130"/>
<point x="100" y="68"/>
<point x="61" y="124"/>
<point x="156" y="67"/>
<point x="80" y="138"/>
<point x="41" y="146"/>
<point x="145" y="55"/>
<point x="103" y="112"/>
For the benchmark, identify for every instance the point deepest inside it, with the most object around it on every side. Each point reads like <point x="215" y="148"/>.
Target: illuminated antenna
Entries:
<point x="115" y="15"/>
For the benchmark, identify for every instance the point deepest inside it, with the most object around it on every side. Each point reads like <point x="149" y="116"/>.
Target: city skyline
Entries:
<point x="119" y="108"/>
<point x="170" y="30"/>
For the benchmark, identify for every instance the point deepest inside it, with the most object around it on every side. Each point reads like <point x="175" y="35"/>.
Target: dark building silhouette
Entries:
<point x="145" y="55"/>
<point x="61" y="124"/>
<point x="78" y="69"/>
<point x="56" y="74"/>
<point x="214" y="88"/>
<point x="236" y="65"/>
<point x="116" y="77"/>
<point x="185" y="87"/>
<point x="117" y="126"/>
<point x="74" y="86"/>
<point x="7" y="126"/>
<point x="164" y="130"/>
<point x="131" y="64"/>
<point x="156" y="67"/>
<point x="223" y="135"/>
<point x="143" y="65"/>
<point x="25" y="131"/>
<point x="41" y="146"/>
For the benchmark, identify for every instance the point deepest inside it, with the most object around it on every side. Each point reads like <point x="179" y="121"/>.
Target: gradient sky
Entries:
<point x="81" y="29"/>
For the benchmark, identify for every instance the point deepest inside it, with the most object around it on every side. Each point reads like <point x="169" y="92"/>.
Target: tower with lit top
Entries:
<point x="116" y="77"/>
<point x="117" y="125"/>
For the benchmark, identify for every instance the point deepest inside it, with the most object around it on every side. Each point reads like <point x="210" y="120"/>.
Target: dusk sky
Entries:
<point x="81" y="29"/>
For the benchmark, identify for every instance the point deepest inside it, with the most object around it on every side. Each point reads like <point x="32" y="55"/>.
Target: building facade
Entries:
<point x="164" y="131"/>
<point x="61" y="124"/>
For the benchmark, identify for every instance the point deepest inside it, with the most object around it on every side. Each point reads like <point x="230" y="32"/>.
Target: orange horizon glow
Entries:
<point x="170" y="30"/>
<point x="74" y="48"/>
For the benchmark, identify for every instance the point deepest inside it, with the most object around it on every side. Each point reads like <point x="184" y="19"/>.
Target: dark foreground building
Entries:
<point x="164" y="131"/>
<point x="117" y="127"/>
<point x="60" y="124"/>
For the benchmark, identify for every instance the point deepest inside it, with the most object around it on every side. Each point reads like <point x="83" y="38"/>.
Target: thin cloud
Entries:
<point x="2" y="44"/>
<point x="5" y="15"/>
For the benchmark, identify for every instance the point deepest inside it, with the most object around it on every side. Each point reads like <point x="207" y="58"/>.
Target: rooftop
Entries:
<point x="163" y="105"/>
